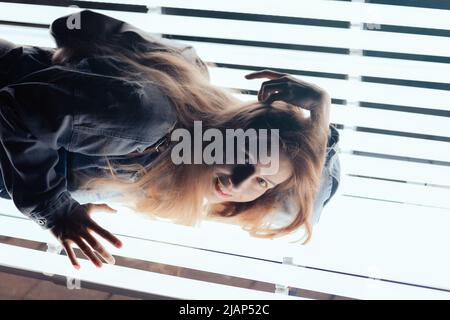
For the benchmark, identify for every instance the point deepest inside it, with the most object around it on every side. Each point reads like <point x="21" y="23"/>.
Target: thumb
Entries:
<point x="253" y="75"/>
<point x="103" y="207"/>
<point x="265" y="73"/>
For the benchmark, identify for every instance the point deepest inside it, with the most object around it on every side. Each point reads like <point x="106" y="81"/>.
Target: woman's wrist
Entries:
<point x="320" y="113"/>
<point x="320" y="122"/>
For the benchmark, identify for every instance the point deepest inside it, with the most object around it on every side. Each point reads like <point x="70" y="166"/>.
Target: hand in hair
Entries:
<point x="289" y="89"/>
<point x="77" y="227"/>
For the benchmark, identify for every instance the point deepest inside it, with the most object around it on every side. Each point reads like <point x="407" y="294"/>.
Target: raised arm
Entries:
<point x="313" y="98"/>
<point x="306" y="95"/>
<point x="320" y="112"/>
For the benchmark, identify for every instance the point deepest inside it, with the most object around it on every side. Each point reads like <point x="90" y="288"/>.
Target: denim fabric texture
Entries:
<point x="46" y="112"/>
<point x="331" y="175"/>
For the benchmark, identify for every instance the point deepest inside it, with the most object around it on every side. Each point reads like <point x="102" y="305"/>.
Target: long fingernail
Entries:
<point x="111" y="260"/>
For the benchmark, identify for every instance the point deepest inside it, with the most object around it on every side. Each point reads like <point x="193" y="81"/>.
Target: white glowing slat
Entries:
<point x="394" y="145"/>
<point x="334" y="237"/>
<point x="171" y="254"/>
<point x="293" y="34"/>
<point x="39" y="14"/>
<point x="132" y="2"/>
<point x="287" y="59"/>
<point x="394" y="169"/>
<point x="384" y="240"/>
<point x="126" y="278"/>
<point x="322" y="62"/>
<point x="331" y="10"/>
<point x="208" y="236"/>
<point x="344" y="89"/>
<point x="391" y="120"/>
<point x="193" y="258"/>
<point x="348" y="90"/>
<point x="27" y="36"/>
<point x="395" y="191"/>
<point x="254" y="31"/>
<point x="309" y="279"/>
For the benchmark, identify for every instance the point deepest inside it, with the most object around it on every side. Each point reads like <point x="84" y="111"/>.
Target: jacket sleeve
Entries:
<point x="331" y="175"/>
<point x="28" y="158"/>
<point x="94" y="27"/>
<point x="61" y="109"/>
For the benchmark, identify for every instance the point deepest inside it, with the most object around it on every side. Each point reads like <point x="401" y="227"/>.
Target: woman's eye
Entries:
<point x="262" y="182"/>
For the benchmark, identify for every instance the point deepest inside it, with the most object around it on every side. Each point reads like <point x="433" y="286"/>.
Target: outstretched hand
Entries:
<point x="287" y="88"/>
<point x="78" y="228"/>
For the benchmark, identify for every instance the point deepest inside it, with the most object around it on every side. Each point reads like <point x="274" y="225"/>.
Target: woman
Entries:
<point x="100" y="110"/>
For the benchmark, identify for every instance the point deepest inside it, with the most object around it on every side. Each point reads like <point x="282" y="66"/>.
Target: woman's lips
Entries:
<point x="218" y="187"/>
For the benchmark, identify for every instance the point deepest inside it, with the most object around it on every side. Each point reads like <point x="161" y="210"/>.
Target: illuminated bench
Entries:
<point x="384" y="235"/>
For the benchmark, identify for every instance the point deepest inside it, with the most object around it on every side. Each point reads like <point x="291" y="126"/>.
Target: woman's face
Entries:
<point x="246" y="182"/>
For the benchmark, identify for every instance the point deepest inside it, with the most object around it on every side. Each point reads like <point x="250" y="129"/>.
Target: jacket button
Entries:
<point x="41" y="222"/>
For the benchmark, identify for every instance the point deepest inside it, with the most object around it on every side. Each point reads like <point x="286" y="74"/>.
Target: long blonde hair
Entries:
<point x="162" y="189"/>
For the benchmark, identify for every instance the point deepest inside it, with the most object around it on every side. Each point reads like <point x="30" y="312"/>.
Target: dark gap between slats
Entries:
<point x="401" y="158"/>
<point x="408" y="83"/>
<point x="404" y="134"/>
<point x="433" y="4"/>
<point x="410" y="30"/>
<point x="427" y="111"/>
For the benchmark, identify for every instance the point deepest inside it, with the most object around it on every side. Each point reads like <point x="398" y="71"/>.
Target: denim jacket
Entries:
<point x="331" y="175"/>
<point x="329" y="183"/>
<point x="55" y="119"/>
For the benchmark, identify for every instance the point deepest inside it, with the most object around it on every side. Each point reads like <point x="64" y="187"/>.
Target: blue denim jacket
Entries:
<point x="331" y="175"/>
<point x="47" y="124"/>
<point x="46" y="110"/>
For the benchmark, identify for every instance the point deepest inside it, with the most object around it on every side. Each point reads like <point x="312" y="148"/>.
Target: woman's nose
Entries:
<point x="226" y="183"/>
<point x="236" y="188"/>
<point x="231" y="186"/>
<point x="241" y="173"/>
<point x="241" y="185"/>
